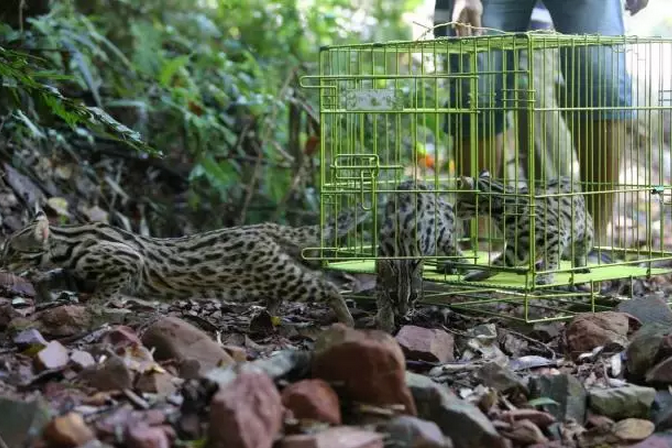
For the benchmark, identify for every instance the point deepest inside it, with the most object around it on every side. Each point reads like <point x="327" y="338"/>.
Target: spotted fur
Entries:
<point x="241" y="263"/>
<point x="415" y="224"/>
<point x="563" y="228"/>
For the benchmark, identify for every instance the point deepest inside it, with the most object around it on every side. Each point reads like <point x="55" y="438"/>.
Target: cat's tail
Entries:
<point x="295" y="239"/>
<point x="343" y="223"/>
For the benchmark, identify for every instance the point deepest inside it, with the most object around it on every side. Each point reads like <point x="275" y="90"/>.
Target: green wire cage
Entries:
<point x="529" y="107"/>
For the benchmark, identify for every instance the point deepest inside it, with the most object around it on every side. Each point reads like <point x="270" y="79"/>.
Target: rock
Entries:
<point x="633" y="429"/>
<point x="161" y="383"/>
<point x="12" y="285"/>
<point x="29" y="338"/>
<point x="117" y="422"/>
<point x="564" y="389"/>
<point x="524" y="432"/>
<point x="539" y="418"/>
<point x="460" y="420"/>
<point x="367" y="365"/>
<point x="340" y="437"/>
<point x="665" y="349"/>
<point x="173" y="338"/>
<point x="546" y="331"/>
<point x="237" y="353"/>
<point x="68" y="431"/>
<point x="412" y="432"/>
<point x="661" y="410"/>
<point x="66" y="320"/>
<point x="314" y="400"/>
<point x="623" y="402"/>
<point x="650" y="309"/>
<point x="113" y="374"/>
<point x="642" y="352"/>
<point x="245" y="413"/>
<point x="501" y="378"/>
<point x="120" y="337"/>
<point x="661" y="373"/>
<point x="141" y="435"/>
<point x="424" y="344"/>
<point x="22" y="421"/>
<point x="655" y="441"/>
<point x="587" y="331"/>
<point x="81" y="359"/>
<point x="53" y="356"/>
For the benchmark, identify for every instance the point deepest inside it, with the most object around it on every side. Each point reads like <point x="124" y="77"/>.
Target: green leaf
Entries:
<point x="170" y="68"/>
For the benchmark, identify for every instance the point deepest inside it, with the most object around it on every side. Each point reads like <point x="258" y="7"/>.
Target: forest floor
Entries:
<point x="138" y="373"/>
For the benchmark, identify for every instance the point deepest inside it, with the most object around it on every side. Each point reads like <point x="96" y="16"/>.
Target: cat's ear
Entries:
<point x="41" y="223"/>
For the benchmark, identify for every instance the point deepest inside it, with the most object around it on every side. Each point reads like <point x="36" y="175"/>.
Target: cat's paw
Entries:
<point x="477" y="276"/>
<point x="450" y="269"/>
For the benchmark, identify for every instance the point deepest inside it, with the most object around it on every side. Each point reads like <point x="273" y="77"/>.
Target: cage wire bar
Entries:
<point x="399" y="110"/>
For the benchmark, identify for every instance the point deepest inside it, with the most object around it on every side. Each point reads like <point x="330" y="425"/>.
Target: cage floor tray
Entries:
<point x="512" y="280"/>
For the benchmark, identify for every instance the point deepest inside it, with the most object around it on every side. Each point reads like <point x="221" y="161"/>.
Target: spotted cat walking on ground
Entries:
<point x="415" y="224"/>
<point x="238" y="263"/>
<point x="563" y="228"/>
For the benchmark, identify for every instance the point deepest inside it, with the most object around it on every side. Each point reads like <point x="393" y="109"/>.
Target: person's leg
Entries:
<point x="504" y="15"/>
<point x="596" y="77"/>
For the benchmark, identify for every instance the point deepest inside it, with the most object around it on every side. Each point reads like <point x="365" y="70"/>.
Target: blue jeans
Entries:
<point x="595" y="75"/>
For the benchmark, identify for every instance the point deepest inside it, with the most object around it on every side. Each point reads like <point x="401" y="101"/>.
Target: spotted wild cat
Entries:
<point x="563" y="227"/>
<point x="239" y="263"/>
<point x="415" y="224"/>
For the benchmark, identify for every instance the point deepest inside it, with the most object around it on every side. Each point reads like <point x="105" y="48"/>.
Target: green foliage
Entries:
<point x="21" y="74"/>
<point x="208" y="83"/>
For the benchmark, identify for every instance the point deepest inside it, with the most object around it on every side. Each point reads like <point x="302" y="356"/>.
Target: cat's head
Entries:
<point x="24" y="248"/>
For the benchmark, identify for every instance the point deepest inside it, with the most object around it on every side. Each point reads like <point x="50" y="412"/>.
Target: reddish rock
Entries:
<point x="237" y="353"/>
<point x="53" y="356"/>
<point x="113" y="374"/>
<point x="245" y="413"/>
<point x="162" y="383"/>
<point x="68" y="430"/>
<point x="12" y="285"/>
<point x="121" y="336"/>
<point x="425" y="344"/>
<point x="340" y="437"/>
<point x="66" y="320"/>
<point x="176" y="339"/>
<point x="587" y="331"/>
<point x="142" y="435"/>
<point x="368" y="366"/>
<point x="312" y="399"/>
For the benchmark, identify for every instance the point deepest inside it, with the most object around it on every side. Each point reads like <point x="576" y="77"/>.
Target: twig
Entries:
<point x="298" y="177"/>
<point x="535" y="342"/>
<point x="250" y="187"/>
<point x="136" y="399"/>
